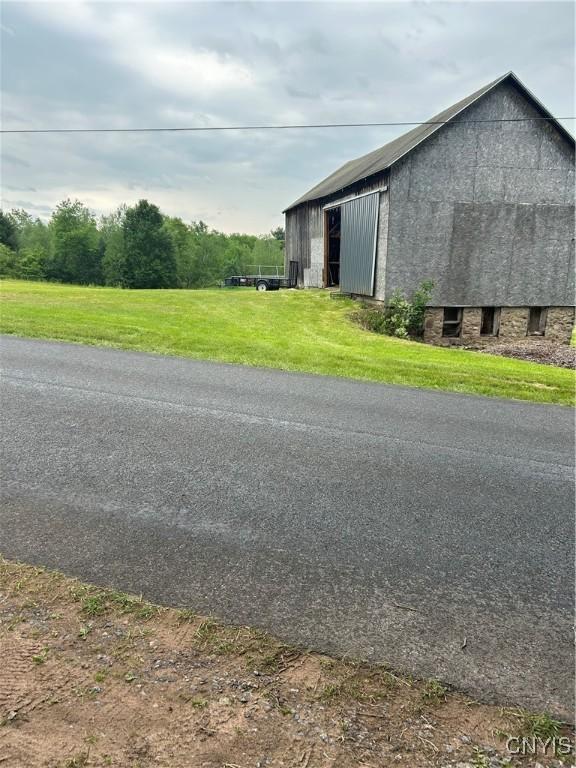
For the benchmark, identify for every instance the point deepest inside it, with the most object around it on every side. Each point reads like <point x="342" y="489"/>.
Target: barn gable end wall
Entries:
<point x="486" y="210"/>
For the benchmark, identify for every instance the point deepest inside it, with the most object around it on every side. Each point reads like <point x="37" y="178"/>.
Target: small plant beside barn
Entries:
<point x="401" y="317"/>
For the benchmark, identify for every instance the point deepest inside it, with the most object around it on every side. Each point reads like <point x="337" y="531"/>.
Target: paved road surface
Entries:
<point x="371" y="520"/>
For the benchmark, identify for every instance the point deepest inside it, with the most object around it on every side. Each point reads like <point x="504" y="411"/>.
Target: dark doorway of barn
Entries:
<point x="332" y="247"/>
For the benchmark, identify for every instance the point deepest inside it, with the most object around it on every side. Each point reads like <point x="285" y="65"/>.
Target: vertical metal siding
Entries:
<point x="358" y="229"/>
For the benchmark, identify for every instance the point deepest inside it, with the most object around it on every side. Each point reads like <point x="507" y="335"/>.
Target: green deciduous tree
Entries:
<point x="279" y="234"/>
<point x="34" y="246"/>
<point x="269" y="251"/>
<point x="149" y="249"/>
<point x="75" y="256"/>
<point x="33" y="233"/>
<point x="112" y="247"/>
<point x="184" y="251"/>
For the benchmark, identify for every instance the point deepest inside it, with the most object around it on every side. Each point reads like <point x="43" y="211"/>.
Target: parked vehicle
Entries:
<point x="263" y="281"/>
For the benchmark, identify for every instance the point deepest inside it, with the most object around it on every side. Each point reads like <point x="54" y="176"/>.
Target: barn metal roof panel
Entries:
<point x="382" y="158"/>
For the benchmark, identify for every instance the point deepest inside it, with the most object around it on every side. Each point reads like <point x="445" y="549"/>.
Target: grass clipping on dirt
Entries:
<point x="291" y="330"/>
<point x="95" y="677"/>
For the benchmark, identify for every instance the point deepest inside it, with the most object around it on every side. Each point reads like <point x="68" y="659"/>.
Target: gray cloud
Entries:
<point x="147" y="64"/>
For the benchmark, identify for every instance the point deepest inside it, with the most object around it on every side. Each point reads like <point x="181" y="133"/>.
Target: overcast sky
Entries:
<point x="175" y="64"/>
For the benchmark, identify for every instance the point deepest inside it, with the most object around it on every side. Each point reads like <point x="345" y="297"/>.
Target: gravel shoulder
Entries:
<point x="94" y="677"/>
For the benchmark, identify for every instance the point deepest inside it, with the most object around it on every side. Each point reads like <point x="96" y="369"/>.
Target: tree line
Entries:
<point x="133" y="247"/>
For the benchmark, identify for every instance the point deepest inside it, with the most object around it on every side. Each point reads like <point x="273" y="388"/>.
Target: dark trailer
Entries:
<point x="263" y="282"/>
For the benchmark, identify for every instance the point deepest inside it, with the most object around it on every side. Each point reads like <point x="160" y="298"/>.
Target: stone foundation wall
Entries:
<point x="513" y="326"/>
<point x="560" y="324"/>
<point x="433" y="325"/>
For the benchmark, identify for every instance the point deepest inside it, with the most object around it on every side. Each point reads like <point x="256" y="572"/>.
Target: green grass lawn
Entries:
<point x="292" y="330"/>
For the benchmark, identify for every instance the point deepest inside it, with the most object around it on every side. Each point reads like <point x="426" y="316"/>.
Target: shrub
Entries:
<point x="397" y="316"/>
<point x="32" y="264"/>
<point x="400" y="317"/>
<point x="420" y="298"/>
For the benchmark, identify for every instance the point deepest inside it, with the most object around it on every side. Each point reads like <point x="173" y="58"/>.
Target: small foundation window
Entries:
<point x="452" y="322"/>
<point x="490" y="323"/>
<point x="537" y="321"/>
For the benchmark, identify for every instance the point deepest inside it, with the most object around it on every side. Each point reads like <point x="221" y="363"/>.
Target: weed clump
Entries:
<point x="434" y="692"/>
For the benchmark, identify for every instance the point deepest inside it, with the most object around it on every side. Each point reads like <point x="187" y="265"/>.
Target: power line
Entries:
<point x="273" y="127"/>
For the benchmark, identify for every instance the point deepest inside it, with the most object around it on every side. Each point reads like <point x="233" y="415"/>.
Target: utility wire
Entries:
<point x="272" y="127"/>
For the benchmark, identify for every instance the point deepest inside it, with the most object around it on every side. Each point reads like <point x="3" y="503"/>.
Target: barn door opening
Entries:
<point x="332" y="247"/>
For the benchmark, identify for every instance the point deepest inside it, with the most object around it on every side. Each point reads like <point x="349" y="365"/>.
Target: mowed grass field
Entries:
<point x="290" y="330"/>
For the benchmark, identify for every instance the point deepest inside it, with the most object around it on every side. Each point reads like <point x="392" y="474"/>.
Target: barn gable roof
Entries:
<point x="383" y="158"/>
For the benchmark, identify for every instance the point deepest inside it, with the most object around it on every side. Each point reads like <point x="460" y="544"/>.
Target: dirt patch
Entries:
<point x="92" y="677"/>
<point x="545" y="352"/>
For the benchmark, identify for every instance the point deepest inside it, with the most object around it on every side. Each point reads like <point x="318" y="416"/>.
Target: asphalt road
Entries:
<point x="375" y="521"/>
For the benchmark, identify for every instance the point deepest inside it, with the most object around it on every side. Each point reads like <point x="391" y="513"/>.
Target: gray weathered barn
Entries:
<point x="483" y="208"/>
